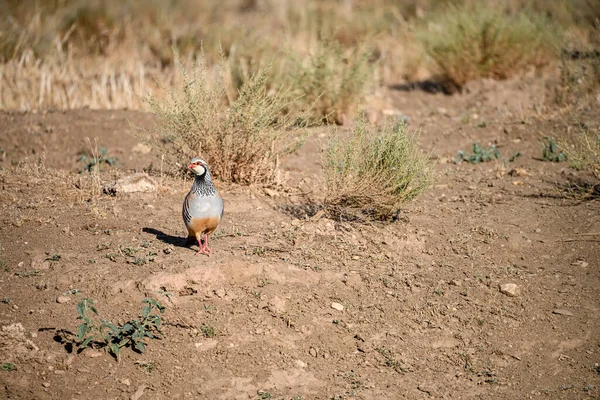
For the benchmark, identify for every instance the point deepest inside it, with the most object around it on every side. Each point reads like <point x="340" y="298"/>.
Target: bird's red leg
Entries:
<point x="207" y="249"/>
<point x="203" y="244"/>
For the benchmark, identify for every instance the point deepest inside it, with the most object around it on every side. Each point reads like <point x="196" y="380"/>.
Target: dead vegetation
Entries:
<point x="242" y="139"/>
<point x="72" y="54"/>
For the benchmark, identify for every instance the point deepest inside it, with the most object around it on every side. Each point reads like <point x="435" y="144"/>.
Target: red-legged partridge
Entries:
<point x="202" y="207"/>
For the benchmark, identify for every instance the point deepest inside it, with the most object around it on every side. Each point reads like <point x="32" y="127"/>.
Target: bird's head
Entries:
<point x="198" y="166"/>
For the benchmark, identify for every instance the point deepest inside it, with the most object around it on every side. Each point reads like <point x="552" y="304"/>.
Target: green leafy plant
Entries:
<point x="95" y="331"/>
<point x="479" y="155"/>
<point x="208" y="331"/>
<point x="551" y="152"/>
<point x="96" y="160"/>
<point x="374" y="171"/>
<point x="7" y="366"/>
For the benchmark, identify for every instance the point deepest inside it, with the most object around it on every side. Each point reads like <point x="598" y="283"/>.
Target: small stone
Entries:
<point x="46" y="384"/>
<point x="126" y="382"/>
<point x="92" y="353"/>
<point x="300" y="363"/>
<point x="337" y="306"/>
<point x="63" y="299"/>
<point x="580" y="263"/>
<point x="136" y="183"/>
<point x="206" y="345"/>
<point x="271" y="192"/>
<point x="138" y="393"/>
<point x="312" y="352"/>
<point x="220" y="293"/>
<point x="426" y="388"/>
<point x="141" y="148"/>
<point x="454" y="282"/>
<point x="59" y="372"/>
<point x="509" y="289"/>
<point x="562" y="311"/>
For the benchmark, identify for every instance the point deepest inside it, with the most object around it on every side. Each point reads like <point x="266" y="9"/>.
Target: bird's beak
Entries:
<point x="190" y="166"/>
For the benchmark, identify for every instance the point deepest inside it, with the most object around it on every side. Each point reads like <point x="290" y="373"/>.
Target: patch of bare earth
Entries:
<point x="301" y="305"/>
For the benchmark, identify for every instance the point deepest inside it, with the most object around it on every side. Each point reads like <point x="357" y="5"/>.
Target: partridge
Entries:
<point x="202" y="207"/>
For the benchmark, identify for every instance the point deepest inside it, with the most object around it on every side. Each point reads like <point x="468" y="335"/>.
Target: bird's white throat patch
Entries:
<point x="199" y="169"/>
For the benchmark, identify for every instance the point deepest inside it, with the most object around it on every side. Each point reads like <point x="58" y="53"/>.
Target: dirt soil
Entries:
<point x="292" y="305"/>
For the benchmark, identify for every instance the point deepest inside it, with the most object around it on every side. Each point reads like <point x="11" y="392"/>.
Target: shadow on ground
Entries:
<point x="166" y="238"/>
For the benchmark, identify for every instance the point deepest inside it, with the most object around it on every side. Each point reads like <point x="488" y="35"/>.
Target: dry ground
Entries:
<point x="423" y="316"/>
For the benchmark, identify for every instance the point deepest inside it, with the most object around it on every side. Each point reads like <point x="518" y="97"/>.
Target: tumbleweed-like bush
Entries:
<point x="374" y="171"/>
<point x="242" y="139"/>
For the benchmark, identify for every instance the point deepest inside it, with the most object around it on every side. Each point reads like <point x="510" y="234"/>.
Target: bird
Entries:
<point x="203" y="206"/>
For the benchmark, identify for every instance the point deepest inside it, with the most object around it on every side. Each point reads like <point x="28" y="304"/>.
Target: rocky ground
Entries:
<point x="486" y="286"/>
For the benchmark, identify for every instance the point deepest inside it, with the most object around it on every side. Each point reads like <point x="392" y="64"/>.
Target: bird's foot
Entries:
<point x="204" y="249"/>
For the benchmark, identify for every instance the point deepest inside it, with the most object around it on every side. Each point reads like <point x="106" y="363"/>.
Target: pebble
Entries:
<point x="220" y="293"/>
<point x="562" y="311"/>
<point x="46" y="384"/>
<point x="59" y="372"/>
<point x="138" y="393"/>
<point x="580" y="263"/>
<point x="337" y="306"/>
<point x="271" y="192"/>
<point x="92" y="353"/>
<point x="426" y="388"/>
<point x="510" y="289"/>
<point x="63" y="299"/>
<point x="126" y="382"/>
<point x="312" y="352"/>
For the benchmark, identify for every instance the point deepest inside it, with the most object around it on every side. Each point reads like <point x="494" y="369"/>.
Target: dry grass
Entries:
<point x="108" y="54"/>
<point x="580" y="69"/>
<point x="583" y="149"/>
<point x="242" y="139"/>
<point x="374" y="171"/>
<point x="330" y="82"/>
<point x="481" y="40"/>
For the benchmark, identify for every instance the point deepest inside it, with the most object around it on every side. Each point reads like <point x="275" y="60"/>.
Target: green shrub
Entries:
<point x="242" y="139"/>
<point x="329" y="82"/>
<point x="580" y="70"/>
<point x="373" y="171"/>
<point x="583" y="149"/>
<point x="481" y="40"/>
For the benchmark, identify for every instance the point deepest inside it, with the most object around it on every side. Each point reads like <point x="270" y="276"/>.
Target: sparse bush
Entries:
<point x="375" y="170"/>
<point x="330" y="81"/>
<point x="481" y="40"/>
<point x="583" y="149"/>
<point x="243" y="141"/>
<point x="580" y="70"/>
<point x="97" y="332"/>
